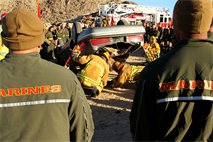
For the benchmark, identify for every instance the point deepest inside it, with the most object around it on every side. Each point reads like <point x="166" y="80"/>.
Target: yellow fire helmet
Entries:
<point x="152" y="38"/>
<point x="106" y="55"/>
<point x="117" y="65"/>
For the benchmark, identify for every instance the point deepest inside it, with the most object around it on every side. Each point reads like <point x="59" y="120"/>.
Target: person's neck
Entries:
<point x="211" y="29"/>
<point x="194" y="36"/>
<point x="36" y="49"/>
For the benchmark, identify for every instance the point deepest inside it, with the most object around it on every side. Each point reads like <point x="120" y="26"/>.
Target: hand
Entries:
<point x="74" y="56"/>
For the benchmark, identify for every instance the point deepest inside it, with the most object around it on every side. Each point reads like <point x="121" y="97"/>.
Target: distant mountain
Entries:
<point x="54" y="11"/>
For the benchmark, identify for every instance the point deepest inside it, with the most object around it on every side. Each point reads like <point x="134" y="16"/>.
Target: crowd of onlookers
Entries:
<point x="58" y="34"/>
<point x="55" y="37"/>
<point x="165" y="36"/>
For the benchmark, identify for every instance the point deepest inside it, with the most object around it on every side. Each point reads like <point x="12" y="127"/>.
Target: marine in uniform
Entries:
<point x="166" y="33"/>
<point x="63" y="33"/>
<point x="174" y="100"/>
<point x="51" y="41"/>
<point x="54" y="31"/>
<point x="155" y="32"/>
<point x="40" y="101"/>
<point x="125" y="72"/>
<point x="152" y="29"/>
<point x="147" y="34"/>
<point x="172" y="33"/>
<point x="95" y="72"/>
<point x="68" y="32"/>
<point x="160" y="29"/>
<point x="59" y="35"/>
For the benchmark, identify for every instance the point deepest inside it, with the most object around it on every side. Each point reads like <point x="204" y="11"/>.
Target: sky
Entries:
<point x="159" y="3"/>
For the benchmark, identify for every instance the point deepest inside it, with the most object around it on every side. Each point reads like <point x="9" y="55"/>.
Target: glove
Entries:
<point x="74" y="56"/>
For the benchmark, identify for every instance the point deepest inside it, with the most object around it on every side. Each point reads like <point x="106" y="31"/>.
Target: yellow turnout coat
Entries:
<point x="95" y="72"/>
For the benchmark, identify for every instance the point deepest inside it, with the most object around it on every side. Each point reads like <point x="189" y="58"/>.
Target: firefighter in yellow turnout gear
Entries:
<point x="125" y="73"/>
<point x="95" y="72"/>
<point x="3" y="49"/>
<point x="153" y="50"/>
<point x="3" y="52"/>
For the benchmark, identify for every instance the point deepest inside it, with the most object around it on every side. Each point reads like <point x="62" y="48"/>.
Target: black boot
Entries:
<point x="95" y="91"/>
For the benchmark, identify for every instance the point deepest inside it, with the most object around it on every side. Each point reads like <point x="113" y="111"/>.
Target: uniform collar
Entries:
<point x="32" y="54"/>
<point x="186" y="41"/>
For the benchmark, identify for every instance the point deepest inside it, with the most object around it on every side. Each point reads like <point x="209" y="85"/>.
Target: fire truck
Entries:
<point x="136" y="13"/>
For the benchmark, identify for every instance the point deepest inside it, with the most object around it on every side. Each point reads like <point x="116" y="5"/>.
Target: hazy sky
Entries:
<point x="159" y="3"/>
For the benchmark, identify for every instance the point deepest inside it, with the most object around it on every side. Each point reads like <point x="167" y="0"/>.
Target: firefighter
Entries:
<point x="39" y="101"/>
<point x="125" y="73"/>
<point x="104" y="22"/>
<point x="95" y="72"/>
<point x="154" y="48"/>
<point x="3" y="49"/>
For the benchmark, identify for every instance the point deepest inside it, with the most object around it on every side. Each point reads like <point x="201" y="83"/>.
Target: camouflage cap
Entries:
<point x="192" y="16"/>
<point x="22" y="30"/>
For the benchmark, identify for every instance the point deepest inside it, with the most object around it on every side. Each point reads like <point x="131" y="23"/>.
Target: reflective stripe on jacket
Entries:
<point x="91" y="80"/>
<point x="155" y="49"/>
<point x="127" y="73"/>
<point x="95" y="72"/>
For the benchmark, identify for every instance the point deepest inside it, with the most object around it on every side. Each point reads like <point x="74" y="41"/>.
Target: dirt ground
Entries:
<point x="111" y="109"/>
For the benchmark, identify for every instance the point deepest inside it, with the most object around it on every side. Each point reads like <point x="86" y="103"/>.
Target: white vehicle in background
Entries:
<point x="135" y="13"/>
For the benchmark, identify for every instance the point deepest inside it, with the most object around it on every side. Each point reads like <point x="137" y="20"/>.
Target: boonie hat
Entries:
<point x="192" y="16"/>
<point x="22" y="30"/>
